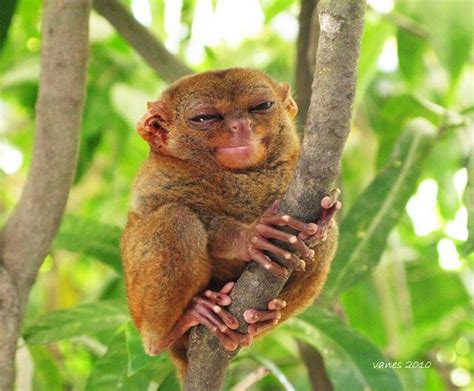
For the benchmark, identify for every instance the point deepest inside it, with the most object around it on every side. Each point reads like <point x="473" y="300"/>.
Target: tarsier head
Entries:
<point x="232" y="115"/>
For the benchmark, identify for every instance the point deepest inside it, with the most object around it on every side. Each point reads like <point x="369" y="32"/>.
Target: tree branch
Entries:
<point x="315" y="366"/>
<point x="166" y="64"/>
<point x="326" y="131"/>
<point x="306" y="46"/>
<point x="30" y="229"/>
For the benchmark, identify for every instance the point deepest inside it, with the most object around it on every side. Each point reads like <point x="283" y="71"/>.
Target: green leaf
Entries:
<point x="110" y="372"/>
<point x="390" y="118"/>
<point x="137" y="358"/>
<point x="451" y="28"/>
<point x="171" y="383"/>
<point x="351" y="360"/>
<point x="275" y="8"/>
<point x="46" y="375"/>
<point x="469" y="202"/>
<point x="376" y="32"/>
<point x="410" y="49"/>
<point x="369" y="322"/>
<point x="364" y="231"/>
<point x="97" y="116"/>
<point x="6" y="14"/>
<point x="77" y="321"/>
<point x="91" y="238"/>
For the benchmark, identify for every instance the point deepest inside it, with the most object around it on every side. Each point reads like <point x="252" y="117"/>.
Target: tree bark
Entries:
<point x="166" y="65"/>
<point x="306" y="46"/>
<point x="29" y="231"/>
<point x="326" y="131"/>
<point x="314" y="363"/>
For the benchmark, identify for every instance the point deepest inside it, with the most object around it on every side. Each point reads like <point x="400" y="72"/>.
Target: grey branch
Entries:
<point x="306" y="46"/>
<point x="166" y="64"/>
<point x="29" y="231"/>
<point x="326" y="131"/>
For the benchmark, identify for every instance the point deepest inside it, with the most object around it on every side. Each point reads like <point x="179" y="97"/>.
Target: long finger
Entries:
<point x="257" y="328"/>
<point x="273" y="233"/>
<point x="227" y="288"/>
<point x="240" y="339"/>
<point x="303" y="250"/>
<point x="285" y="220"/>
<point x="254" y="316"/>
<point x="218" y="297"/>
<point x="228" y="319"/>
<point x="277" y="304"/>
<point x="267" y="263"/>
<point x="263" y="244"/>
<point x="211" y="319"/>
<point x="331" y="199"/>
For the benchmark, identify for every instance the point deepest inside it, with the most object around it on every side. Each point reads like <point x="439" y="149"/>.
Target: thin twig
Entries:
<point x="251" y="379"/>
<point x="152" y="50"/>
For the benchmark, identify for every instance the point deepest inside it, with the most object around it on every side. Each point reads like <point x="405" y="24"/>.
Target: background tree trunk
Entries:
<point x="326" y="131"/>
<point x="29" y="231"/>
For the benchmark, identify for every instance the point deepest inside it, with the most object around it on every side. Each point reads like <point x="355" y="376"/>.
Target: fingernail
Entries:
<point x="285" y="217"/>
<point x="216" y="309"/>
<point x="293" y="239"/>
<point x="288" y="256"/>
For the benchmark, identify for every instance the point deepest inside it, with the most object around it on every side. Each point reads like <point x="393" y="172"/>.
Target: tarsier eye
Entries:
<point x="202" y="118"/>
<point x="261" y="107"/>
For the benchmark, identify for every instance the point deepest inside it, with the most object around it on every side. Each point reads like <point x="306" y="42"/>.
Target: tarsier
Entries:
<point x="223" y="149"/>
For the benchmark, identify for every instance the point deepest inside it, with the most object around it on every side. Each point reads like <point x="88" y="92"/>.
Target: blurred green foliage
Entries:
<point x="403" y="282"/>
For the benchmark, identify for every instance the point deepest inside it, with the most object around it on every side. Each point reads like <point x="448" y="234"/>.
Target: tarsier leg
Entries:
<point x="163" y="273"/>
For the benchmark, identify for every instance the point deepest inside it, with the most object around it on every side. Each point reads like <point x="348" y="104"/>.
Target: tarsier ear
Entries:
<point x="153" y="125"/>
<point x="290" y="105"/>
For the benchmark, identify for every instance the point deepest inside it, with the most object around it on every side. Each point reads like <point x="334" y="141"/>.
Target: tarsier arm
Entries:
<point x="230" y="238"/>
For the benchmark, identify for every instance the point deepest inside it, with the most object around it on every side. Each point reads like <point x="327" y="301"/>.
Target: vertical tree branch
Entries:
<point x="315" y="365"/>
<point x="326" y="131"/>
<point x="29" y="231"/>
<point x="167" y="65"/>
<point x="306" y="46"/>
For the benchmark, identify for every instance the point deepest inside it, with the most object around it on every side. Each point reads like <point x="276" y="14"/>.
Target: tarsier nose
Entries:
<point x="239" y="124"/>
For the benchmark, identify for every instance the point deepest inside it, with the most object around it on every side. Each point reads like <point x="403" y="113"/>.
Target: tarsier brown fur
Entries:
<point x="223" y="149"/>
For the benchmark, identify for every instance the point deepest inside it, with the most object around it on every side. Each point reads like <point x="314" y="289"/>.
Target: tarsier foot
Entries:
<point x="330" y="205"/>
<point x="264" y="230"/>
<point x="260" y="320"/>
<point x="206" y="309"/>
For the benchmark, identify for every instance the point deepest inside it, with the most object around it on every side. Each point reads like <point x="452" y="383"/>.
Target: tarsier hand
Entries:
<point x="255" y="239"/>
